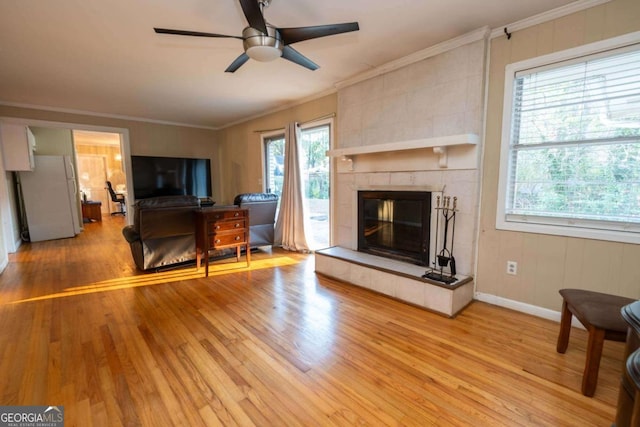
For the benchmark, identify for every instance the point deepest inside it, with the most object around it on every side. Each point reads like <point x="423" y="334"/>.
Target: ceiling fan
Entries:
<point x="264" y="42"/>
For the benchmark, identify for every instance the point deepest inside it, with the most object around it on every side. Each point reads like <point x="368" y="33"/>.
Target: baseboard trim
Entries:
<point x="522" y="307"/>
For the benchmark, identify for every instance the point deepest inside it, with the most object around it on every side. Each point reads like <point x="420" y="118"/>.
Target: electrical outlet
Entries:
<point x="512" y="268"/>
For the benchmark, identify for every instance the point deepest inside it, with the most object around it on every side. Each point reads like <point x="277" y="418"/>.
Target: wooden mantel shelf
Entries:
<point x="439" y="145"/>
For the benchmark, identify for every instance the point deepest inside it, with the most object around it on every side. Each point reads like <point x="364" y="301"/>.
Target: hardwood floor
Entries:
<point x="272" y="345"/>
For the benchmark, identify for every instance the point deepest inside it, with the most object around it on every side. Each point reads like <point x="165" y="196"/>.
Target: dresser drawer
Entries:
<point x="212" y="215"/>
<point x="225" y="225"/>
<point x="219" y="240"/>
<point x="221" y="229"/>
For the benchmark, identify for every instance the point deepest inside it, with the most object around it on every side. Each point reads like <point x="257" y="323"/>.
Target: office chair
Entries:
<point x="117" y="198"/>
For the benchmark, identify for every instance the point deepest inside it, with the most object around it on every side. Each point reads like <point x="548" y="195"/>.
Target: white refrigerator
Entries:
<point x="50" y="197"/>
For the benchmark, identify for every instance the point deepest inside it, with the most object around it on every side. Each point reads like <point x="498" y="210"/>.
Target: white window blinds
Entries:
<point x="574" y="152"/>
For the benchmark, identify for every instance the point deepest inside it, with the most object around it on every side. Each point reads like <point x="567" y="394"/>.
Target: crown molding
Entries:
<point x="547" y="16"/>
<point x="473" y="36"/>
<point x="479" y="34"/>
<point x="110" y="116"/>
<point x="282" y="108"/>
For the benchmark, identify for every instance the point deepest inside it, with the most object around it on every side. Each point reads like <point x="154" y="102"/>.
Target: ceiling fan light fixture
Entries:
<point x="264" y="53"/>
<point x="262" y="47"/>
<point x="264" y="42"/>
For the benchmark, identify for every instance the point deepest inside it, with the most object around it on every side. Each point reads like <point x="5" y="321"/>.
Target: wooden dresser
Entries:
<point x="628" y="413"/>
<point x="221" y="228"/>
<point x="91" y="211"/>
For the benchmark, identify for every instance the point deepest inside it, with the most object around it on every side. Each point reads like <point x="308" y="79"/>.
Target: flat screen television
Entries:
<point x="167" y="176"/>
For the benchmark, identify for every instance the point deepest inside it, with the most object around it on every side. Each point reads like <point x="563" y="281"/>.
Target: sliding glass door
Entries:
<point x="315" y="140"/>
<point x="314" y="167"/>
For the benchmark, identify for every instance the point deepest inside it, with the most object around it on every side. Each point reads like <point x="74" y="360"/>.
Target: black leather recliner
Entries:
<point x="262" y="216"/>
<point x="163" y="231"/>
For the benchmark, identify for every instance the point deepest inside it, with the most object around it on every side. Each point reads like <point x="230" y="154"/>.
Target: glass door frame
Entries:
<point x="264" y="137"/>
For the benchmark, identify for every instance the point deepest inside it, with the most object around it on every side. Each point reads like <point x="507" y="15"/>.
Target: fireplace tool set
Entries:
<point x="447" y="208"/>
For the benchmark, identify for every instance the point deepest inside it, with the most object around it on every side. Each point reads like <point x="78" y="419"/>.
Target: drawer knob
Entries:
<point x="237" y="237"/>
<point x="217" y="241"/>
<point x="217" y="227"/>
<point x="237" y="225"/>
<point x="236" y="214"/>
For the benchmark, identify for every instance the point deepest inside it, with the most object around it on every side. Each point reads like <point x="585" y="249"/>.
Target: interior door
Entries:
<point x="92" y="177"/>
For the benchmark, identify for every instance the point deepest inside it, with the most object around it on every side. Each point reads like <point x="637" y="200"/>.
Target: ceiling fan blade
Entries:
<point x="237" y="63"/>
<point x="192" y="33"/>
<point x="294" y="35"/>
<point x="252" y="12"/>
<point x="294" y="56"/>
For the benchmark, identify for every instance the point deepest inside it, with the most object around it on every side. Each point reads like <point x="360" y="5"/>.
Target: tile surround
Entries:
<point x="395" y="279"/>
<point x="439" y="96"/>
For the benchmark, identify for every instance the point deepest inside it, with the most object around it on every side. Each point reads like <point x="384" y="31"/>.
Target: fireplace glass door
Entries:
<point x="395" y="224"/>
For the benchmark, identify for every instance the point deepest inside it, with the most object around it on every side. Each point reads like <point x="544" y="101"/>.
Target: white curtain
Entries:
<point x="290" y="226"/>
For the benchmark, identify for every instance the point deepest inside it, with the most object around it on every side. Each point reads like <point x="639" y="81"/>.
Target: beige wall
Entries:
<point x="241" y="151"/>
<point x="548" y="263"/>
<point x="145" y="139"/>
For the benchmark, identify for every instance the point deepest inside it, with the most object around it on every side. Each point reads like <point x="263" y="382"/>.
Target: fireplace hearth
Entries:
<point x="395" y="224"/>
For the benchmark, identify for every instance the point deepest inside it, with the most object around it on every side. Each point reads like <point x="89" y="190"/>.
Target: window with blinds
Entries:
<point x="573" y="150"/>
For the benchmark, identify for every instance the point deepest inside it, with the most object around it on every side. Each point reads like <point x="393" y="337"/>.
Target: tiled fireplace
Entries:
<point x="413" y="127"/>
<point x="398" y="275"/>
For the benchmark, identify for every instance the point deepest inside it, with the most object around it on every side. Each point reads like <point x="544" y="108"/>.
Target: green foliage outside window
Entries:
<point x="314" y="162"/>
<point x="575" y="148"/>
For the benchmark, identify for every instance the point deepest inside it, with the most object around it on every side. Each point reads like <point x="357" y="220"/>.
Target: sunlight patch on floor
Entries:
<point x="164" y="277"/>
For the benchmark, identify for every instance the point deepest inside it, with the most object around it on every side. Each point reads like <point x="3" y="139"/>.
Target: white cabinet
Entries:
<point x="18" y="145"/>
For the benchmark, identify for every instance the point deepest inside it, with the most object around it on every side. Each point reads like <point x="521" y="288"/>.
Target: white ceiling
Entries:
<point x="104" y="57"/>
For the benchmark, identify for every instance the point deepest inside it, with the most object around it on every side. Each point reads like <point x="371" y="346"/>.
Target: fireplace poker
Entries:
<point x="449" y="213"/>
<point x="435" y="257"/>
<point x="452" y="262"/>
<point x="443" y="259"/>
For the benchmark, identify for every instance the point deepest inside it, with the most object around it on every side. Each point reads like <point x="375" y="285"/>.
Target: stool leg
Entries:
<point x="565" y="328"/>
<point x="592" y="365"/>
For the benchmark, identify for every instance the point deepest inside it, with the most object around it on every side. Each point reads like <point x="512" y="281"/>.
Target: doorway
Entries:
<point x="99" y="160"/>
<point x="92" y="175"/>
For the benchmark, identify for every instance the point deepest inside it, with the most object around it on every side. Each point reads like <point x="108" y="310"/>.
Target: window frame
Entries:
<point x="591" y="229"/>
<point x="265" y="138"/>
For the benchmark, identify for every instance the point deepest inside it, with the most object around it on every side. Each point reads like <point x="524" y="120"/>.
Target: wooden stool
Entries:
<point x="600" y="315"/>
